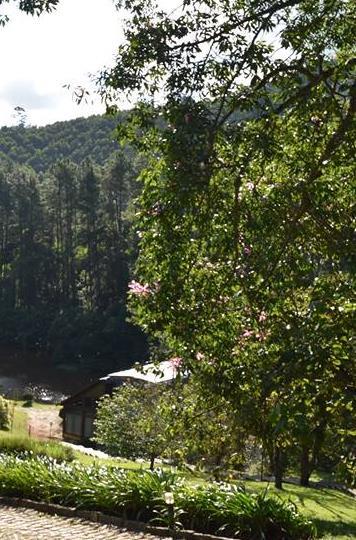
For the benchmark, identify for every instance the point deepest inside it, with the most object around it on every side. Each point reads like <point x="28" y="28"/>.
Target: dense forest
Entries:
<point x="40" y="147"/>
<point x="65" y="243"/>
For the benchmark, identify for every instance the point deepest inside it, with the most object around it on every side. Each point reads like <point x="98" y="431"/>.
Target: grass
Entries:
<point x="120" y="463"/>
<point x="19" y="425"/>
<point x="36" y="405"/>
<point x="44" y="406"/>
<point x="14" y="444"/>
<point x="333" y="512"/>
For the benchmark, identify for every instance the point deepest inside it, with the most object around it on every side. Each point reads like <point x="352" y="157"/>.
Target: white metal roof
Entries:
<point x="153" y="373"/>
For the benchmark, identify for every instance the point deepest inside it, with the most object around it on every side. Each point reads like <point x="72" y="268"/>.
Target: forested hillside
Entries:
<point x="77" y="140"/>
<point x="65" y="243"/>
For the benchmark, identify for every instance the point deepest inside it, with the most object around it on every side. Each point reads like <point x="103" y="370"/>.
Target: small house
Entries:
<point x="78" y="411"/>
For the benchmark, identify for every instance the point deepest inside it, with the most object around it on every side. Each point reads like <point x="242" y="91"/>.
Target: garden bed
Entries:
<point x="215" y="509"/>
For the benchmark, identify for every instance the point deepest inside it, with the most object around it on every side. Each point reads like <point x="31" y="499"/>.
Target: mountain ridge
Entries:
<point x="76" y="140"/>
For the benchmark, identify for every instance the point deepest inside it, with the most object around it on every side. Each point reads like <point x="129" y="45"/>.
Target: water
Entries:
<point x="33" y="373"/>
<point x="20" y="387"/>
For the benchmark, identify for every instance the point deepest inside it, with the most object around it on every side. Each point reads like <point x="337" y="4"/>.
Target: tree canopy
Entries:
<point x="78" y="139"/>
<point x="247" y="113"/>
<point x="32" y="7"/>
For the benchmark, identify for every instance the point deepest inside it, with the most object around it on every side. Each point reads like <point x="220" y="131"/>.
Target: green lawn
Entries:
<point x="36" y="405"/>
<point x="114" y="462"/>
<point x="19" y="426"/>
<point x="333" y="512"/>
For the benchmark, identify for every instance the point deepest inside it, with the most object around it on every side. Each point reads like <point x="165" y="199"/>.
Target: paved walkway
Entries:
<point x="28" y="524"/>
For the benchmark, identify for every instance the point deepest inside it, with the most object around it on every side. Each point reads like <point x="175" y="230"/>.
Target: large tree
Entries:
<point x="33" y="7"/>
<point x="246" y="110"/>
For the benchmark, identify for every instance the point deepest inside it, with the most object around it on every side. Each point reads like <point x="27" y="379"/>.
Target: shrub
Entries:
<point x="213" y="508"/>
<point x="28" y="403"/>
<point x="234" y="512"/>
<point x="4" y="413"/>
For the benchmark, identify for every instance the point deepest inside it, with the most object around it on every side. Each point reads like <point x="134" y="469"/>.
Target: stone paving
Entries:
<point x="28" y="524"/>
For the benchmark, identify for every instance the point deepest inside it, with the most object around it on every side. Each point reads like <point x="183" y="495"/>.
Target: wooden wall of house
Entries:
<point x="78" y="412"/>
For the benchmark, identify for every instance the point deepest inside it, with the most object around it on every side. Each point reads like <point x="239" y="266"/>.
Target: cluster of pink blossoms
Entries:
<point x="176" y="362"/>
<point x="262" y="316"/>
<point x="261" y="335"/>
<point x="139" y="290"/>
<point x="247" y="334"/>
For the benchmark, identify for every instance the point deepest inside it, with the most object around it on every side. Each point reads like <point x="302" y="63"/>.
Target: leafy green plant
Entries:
<point x="231" y="510"/>
<point x="213" y="508"/>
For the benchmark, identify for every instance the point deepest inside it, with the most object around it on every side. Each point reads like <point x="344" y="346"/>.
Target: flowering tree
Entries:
<point x="245" y="216"/>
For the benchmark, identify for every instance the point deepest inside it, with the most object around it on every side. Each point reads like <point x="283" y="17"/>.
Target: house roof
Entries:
<point x="71" y="398"/>
<point x="152" y="373"/>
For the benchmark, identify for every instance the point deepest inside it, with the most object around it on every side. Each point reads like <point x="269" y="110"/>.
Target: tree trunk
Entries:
<point x="152" y="463"/>
<point x="310" y="453"/>
<point x="278" y="468"/>
<point x="305" y="468"/>
<point x="269" y="464"/>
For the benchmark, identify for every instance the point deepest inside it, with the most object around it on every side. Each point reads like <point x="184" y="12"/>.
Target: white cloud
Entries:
<point x="40" y="55"/>
<point x="25" y="94"/>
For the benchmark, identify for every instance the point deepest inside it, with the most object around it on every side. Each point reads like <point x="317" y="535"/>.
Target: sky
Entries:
<point x="40" y="55"/>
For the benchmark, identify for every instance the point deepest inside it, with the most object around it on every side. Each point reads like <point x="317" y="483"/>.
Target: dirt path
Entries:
<point x="44" y="423"/>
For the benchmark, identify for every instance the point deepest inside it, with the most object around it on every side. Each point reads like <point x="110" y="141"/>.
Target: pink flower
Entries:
<point x="247" y="333"/>
<point x="250" y="186"/>
<point x="139" y="290"/>
<point x="262" y="316"/>
<point x="199" y="356"/>
<point x="247" y="250"/>
<point x="176" y="361"/>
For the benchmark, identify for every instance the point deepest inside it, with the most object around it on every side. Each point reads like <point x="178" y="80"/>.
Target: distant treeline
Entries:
<point x="66" y="246"/>
<point x="40" y="147"/>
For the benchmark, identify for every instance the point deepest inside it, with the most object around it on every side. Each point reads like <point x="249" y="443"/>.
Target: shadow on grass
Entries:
<point x="335" y="528"/>
<point x="335" y="502"/>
